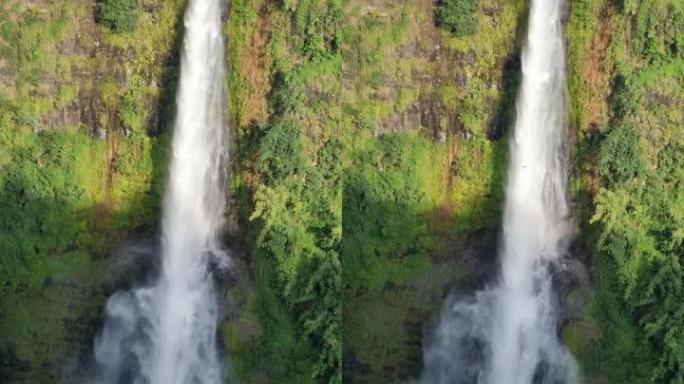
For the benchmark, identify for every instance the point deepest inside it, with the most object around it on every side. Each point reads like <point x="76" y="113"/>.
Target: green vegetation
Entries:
<point x="119" y="15"/>
<point x="280" y="151"/>
<point x="388" y="196"/>
<point x="369" y="151"/>
<point x="46" y="192"/>
<point x="78" y="170"/>
<point x="427" y="166"/>
<point x="458" y="16"/>
<point x="634" y="148"/>
<point x="293" y="207"/>
<point x="388" y="244"/>
<point x="620" y="155"/>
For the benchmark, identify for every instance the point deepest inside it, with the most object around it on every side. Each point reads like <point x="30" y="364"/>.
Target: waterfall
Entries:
<point x="166" y="333"/>
<point x="507" y="334"/>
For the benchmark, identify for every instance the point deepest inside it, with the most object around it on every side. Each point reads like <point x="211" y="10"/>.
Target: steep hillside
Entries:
<point x="288" y="156"/>
<point x="429" y="110"/>
<point x="369" y="146"/>
<point x="626" y="85"/>
<point x="83" y="116"/>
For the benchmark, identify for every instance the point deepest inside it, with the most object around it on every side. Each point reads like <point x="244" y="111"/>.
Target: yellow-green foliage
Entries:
<point x="477" y="191"/>
<point x="148" y="85"/>
<point x="373" y="40"/>
<point x="496" y="40"/>
<point x="390" y="193"/>
<point x="29" y="36"/>
<point x="48" y="191"/>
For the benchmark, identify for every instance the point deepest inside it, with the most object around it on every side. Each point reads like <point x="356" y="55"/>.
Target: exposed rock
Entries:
<point x="572" y="284"/>
<point x="496" y="127"/>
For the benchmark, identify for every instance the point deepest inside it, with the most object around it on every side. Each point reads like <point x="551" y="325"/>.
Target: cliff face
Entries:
<point x="412" y="206"/>
<point x="402" y="123"/>
<point x="416" y="76"/>
<point x="368" y="162"/>
<point x="422" y="198"/>
<point x="626" y="81"/>
<point x="288" y="157"/>
<point x="83" y="118"/>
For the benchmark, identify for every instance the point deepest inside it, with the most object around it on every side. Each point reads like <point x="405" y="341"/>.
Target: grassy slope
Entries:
<point x="65" y="196"/>
<point x="408" y="197"/>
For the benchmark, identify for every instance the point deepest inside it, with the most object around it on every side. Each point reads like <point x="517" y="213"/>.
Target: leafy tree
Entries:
<point x="458" y="16"/>
<point x="119" y="15"/>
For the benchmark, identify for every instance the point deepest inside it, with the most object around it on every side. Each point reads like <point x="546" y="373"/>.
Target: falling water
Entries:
<point x="507" y="334"/>
<point x="166" y="333"/>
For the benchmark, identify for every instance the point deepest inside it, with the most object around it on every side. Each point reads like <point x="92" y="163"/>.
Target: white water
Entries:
<point x="166" y="333"/>
<point x="507" y="334"/>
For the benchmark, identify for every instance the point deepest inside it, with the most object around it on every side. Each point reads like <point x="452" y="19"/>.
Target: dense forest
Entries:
<point x="368" y="152"/>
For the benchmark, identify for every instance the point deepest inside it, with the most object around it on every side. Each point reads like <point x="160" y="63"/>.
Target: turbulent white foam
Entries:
<point x="508" y="334"/>
<point x="166" y="333"/>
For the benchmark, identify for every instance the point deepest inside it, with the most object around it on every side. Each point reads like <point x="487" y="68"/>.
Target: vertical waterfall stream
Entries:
<point x="507" y="333"/>
<point x="166" y="333"/>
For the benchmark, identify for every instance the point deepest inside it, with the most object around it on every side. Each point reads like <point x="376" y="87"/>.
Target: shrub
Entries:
<point x="624" y="97"/>
<point x="315" y="27"/>
<point x="620" y="156"/>
<point x="119" y="15"/>
<point x="287" y="93"/>
<point x="627" y="7"/>
<point x="458" y="16"/>
<point x="280" y="153"/>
